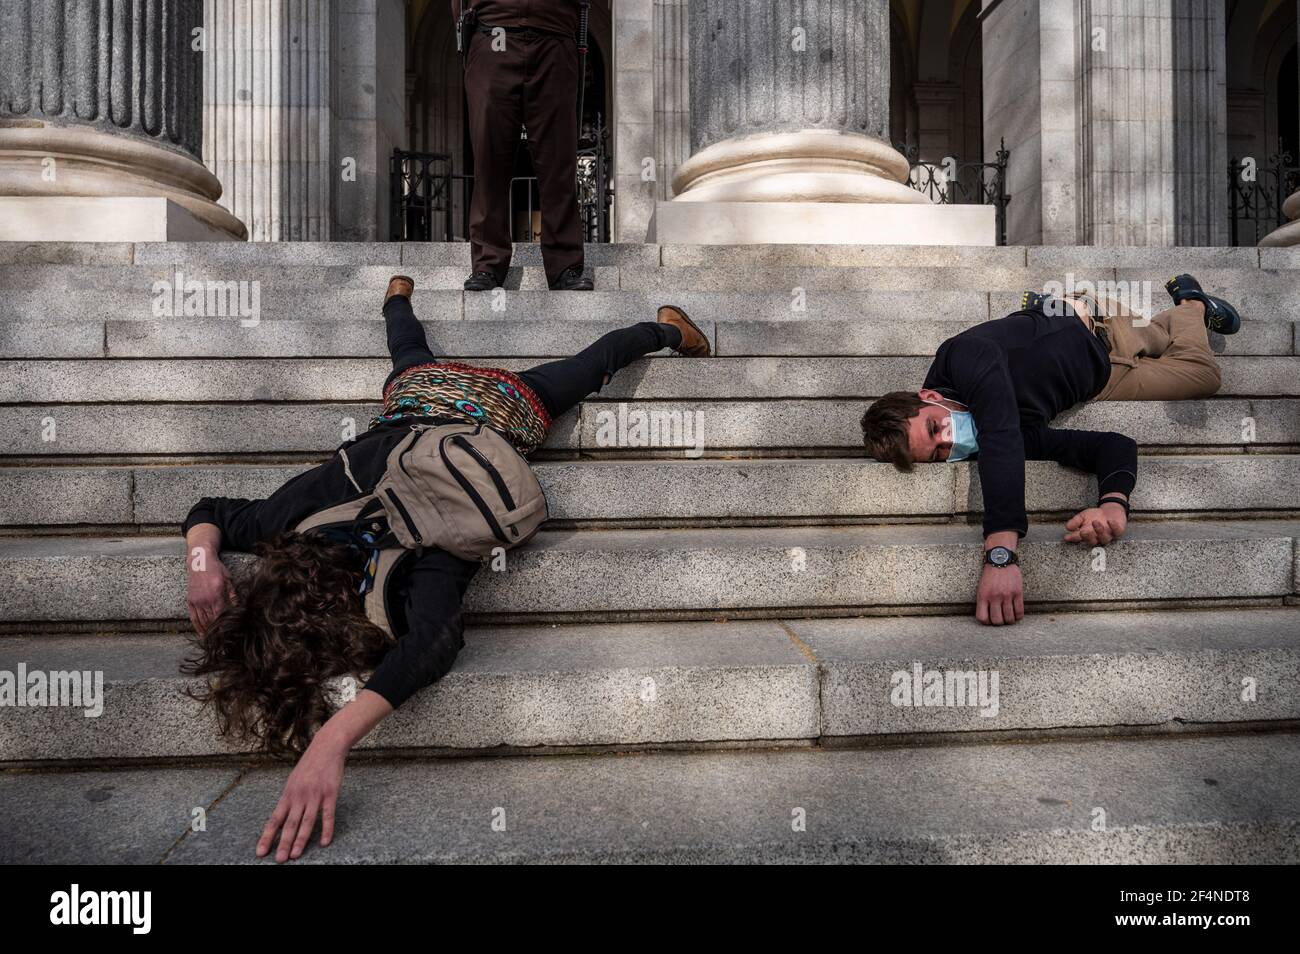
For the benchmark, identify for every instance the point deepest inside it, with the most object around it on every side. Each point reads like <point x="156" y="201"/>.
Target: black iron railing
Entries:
<point x="424" y="193"/>
<point x="1256" y="192"/>
<point x="420" y="196"/>
<point x="954" y="182"/>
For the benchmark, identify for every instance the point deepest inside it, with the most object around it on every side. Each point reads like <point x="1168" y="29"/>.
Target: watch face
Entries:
<point x="999" y="556"/>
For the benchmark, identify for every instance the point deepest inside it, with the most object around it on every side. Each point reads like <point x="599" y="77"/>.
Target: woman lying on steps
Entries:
<point x="270" y="648"/>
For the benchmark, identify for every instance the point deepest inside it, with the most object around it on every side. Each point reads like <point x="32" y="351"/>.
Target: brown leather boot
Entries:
<point x="695" y="344"/>
<point x="399" y="285"/>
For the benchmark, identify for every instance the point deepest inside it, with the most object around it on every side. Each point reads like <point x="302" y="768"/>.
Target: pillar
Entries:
<point x="1114" y="112"/>
<point x="101" y="122"/>
<point x="266" y="114"/>
<point x="790" y="103"/>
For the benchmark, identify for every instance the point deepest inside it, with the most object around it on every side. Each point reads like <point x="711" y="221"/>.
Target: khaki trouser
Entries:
<point x="1168" y="359"/>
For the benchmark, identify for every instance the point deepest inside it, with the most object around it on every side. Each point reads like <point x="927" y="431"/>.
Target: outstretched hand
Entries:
<point x="312" y="790"/>
<point x="314" y="784"/>
<point x="1000" y="598"/>
<point x="1097" y="526"/>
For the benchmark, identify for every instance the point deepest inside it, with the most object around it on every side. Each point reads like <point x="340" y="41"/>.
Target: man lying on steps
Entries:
<point x="993" y="390"/>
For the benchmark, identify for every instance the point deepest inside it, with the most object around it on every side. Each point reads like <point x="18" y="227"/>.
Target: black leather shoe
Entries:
<point x="481" y="281"/>
<point x="1055" y="307"/>
<point x="572" y="279"/>
<point x="1219" y="315"/>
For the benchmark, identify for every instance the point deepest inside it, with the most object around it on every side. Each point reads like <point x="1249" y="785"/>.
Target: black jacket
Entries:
<point x="1015" y="375"/>
<point x="429" y="588"/>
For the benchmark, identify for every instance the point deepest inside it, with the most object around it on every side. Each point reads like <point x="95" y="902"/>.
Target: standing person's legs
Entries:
<point x="562" y="384"/>
<point x="551" y="115"/>
<point x="493" y="94"/>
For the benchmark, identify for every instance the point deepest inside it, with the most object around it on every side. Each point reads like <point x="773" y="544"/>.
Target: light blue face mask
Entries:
<point x="963" y="433"/>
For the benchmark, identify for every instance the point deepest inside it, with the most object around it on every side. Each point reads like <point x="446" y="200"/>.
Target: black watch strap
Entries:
<point x="1115" y="500"/>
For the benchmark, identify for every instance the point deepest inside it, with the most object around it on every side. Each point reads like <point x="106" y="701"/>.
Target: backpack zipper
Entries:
<point x="460" y="441"/>
<point x="468" y="487"/>
<point x="405" y="515"/>
<point x="401" y="461"/>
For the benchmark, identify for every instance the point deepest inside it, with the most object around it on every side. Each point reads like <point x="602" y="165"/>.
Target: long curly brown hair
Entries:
<point x="295" y="623"/>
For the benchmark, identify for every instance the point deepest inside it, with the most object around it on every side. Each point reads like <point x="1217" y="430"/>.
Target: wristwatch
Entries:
<point x="1001" y="557"/>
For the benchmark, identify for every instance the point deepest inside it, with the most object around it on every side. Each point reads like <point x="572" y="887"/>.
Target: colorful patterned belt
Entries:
<point x="492" y="396"/>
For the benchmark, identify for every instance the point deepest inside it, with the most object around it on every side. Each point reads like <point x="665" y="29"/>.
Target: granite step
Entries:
<point x="626" y="428"/>
<point x="557" y="335"/>
<point x="1190" y="800"/>
<point x="689" y="573"/>
<point x="170" y="380"/>
<point x="714" y="684"/>
<point x="528" y="253"/>
<point x="276" y="302"/>
<point x="49" y="290"/>
<point x="667" y="493"/>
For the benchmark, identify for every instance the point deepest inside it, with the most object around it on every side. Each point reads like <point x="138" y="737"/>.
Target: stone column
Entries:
<point x="1154" y="153"/>
<point x="100" y="123"/>
<point x="266" y="114"/>
<point x="790" y="102"/>
<point x="368" y="117"/>
<point x="672" y="92"/>
<point x="1114" y="112"/>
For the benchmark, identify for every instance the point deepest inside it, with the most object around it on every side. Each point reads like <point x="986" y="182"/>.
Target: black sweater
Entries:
<point x="428" y="590"/>
<point x="1015" y="375"/>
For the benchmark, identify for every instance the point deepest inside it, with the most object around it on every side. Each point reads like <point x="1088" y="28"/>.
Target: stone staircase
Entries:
<point x="708" y="630"/>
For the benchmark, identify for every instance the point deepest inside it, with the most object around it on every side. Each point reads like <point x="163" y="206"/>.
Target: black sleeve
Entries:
<point x="1111" y="457"/>
<point x="244" y="523"/>
<point x="435" y="630"/>
<point x="978" y="370"/>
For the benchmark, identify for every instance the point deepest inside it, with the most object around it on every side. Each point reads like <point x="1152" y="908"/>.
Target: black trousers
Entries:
<point x="559" y="384"/>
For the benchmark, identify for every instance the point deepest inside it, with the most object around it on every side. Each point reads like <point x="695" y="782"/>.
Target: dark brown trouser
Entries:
<point x="533" y="81"/>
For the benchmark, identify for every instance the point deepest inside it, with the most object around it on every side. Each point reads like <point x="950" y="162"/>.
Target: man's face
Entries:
<point x="929" y="434"/>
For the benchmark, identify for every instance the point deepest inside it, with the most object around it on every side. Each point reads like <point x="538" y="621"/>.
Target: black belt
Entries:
<point x="525" y="31"/>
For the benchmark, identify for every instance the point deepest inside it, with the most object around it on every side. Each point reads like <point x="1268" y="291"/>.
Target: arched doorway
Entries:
<point x="436" y="111"/>
<point x="936" y="79"/>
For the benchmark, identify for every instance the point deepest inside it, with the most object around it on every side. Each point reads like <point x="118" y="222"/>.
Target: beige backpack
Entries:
<point x="459" y="487"/>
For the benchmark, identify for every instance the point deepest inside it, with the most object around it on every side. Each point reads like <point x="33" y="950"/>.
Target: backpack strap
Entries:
<point x="376" y="596"/>
<point x="347" y="469"/>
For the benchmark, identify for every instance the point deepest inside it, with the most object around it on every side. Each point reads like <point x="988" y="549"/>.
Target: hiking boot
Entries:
<point x="481" y="281"/>
<point x="695" y="343"/>
<point x="1219" y="315"/>
<point x="399" y="285"/>
<point x="572" y="279"/>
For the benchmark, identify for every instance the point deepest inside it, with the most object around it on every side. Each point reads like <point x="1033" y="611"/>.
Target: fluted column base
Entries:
<point x="1288" y="234"/>
<point x="39" y="159"/>
<point x="810" y="165"/>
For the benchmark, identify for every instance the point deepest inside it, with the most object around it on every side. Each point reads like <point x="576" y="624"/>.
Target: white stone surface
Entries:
<point x="823" y="223"/>
<point x="101" y="219"/>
